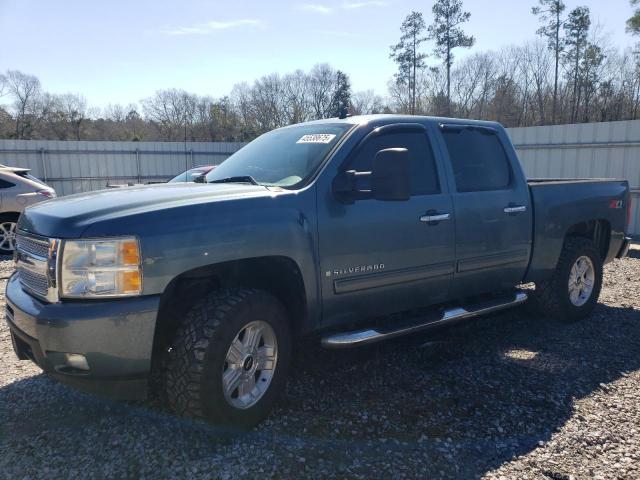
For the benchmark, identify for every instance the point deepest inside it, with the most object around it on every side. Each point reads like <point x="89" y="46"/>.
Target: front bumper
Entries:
<point x="115" y="337"/>
<point x="624" y="248"/>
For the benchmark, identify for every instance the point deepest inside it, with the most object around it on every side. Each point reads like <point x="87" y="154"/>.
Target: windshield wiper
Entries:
<point x="237" y="179"/>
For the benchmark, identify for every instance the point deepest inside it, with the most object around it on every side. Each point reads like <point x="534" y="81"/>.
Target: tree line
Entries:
<point x="568" y="74"/>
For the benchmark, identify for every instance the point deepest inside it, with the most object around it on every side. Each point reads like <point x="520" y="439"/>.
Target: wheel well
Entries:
<point x="279" y="276"/>
<point x="11" y="215"/>
<point x="598" y="231"/>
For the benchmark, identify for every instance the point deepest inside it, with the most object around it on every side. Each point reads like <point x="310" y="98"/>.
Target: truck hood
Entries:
<point x="68" y="217"/>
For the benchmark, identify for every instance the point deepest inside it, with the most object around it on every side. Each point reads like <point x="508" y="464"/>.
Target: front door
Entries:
<point x="379" y="257"/>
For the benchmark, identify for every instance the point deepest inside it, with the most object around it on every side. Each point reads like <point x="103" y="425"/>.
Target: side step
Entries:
<point x="373" y="335"/>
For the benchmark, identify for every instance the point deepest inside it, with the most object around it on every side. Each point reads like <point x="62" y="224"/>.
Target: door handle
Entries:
<point x="435" y="217"/>
<point x="515" y="209"/>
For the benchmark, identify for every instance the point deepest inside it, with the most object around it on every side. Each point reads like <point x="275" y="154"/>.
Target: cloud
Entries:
<point x="347" y="5"/>
<point x="363" y="4"/>
<point x="213" y="26"/>
<point x="316" y="8"/>
<point x="339" y="33"/>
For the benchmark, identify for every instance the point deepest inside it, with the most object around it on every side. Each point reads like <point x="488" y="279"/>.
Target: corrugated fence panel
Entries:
<point x="72" y="167"/>
<point x="597" y="150"/>
<point x="590" y="150"/>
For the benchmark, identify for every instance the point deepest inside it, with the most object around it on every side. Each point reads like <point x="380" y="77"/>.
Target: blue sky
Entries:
<point x="121" y="51"/>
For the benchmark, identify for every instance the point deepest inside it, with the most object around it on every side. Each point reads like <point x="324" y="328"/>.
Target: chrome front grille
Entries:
<point x="34" y="282"/>
<point x="35" y="264"/>
<point x="32" y="246"/>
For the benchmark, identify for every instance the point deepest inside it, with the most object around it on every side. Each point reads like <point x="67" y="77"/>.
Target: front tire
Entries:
<point x="8" y="222"/>
<point x="572" y="292"/>
<point x="229" y="359"/>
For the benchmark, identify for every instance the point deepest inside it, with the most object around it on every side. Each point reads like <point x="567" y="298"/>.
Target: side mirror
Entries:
<point x="390" y="175"/>
<point x="201" y="178"/>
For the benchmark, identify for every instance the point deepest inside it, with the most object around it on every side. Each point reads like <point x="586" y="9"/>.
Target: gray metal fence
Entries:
<point x="591" y="150"/>
<point x="72" y="167"/>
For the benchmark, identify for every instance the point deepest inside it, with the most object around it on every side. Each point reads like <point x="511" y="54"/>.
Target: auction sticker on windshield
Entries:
<point x="317" y="138"/>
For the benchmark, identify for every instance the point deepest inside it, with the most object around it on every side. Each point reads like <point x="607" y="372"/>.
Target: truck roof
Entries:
<point x="383" y="118"/>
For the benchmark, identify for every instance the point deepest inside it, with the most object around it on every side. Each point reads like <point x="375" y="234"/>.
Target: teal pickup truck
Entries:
<point x="319" y="229"/>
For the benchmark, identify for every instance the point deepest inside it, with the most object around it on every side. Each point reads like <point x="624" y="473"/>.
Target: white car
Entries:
<point x="18" y="190"/>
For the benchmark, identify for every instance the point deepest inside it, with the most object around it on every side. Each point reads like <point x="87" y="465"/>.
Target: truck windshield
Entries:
<point x="284" y="157"/>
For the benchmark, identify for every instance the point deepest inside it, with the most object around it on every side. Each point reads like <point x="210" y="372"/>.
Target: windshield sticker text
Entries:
<point x="317" y="138"/>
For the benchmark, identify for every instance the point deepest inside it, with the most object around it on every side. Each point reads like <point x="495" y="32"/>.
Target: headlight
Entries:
<point x="100" y="268"/>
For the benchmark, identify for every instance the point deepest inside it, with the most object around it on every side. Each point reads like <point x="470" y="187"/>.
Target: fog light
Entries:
<point x="76" y="360"/>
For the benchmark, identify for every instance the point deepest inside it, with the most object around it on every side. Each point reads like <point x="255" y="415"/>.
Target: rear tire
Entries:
<point x="572" y="292"/>
<point x="229" y="359"/>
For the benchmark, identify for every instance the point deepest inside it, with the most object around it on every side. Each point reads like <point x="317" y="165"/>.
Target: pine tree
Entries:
<point x="576" y="30"/>
<point x="341" y="96"/>
<point x="447" y="34"/>
<point x="550" y="13"/>
<point x="407" y="55"/>
<point x="633" y="24"/>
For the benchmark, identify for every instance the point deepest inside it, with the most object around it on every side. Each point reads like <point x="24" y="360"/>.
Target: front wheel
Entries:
<point x="230" y="357"/>
<point x="573" y="290"/>
<point x="8" y="222"/>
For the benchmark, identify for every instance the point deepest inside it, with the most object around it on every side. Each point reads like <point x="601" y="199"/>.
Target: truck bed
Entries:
<point x="561" y="204"/>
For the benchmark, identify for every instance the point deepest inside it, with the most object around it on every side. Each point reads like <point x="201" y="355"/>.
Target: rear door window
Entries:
<point x="478" y="159"/>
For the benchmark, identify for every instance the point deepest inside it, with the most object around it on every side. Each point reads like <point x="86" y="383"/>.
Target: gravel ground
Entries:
<point x="506" y="396"/>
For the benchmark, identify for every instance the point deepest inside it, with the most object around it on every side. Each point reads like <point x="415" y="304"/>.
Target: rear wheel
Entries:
<point x="573" y="290"/>
<point x="8" y="222"/>
<point x="229" y="360"/>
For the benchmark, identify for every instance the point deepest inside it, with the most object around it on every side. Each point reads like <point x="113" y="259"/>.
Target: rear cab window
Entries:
<point x="478" y="159"/>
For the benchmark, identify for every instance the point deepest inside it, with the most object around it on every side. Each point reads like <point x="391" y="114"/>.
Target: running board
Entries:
<point x="373" y="335"/>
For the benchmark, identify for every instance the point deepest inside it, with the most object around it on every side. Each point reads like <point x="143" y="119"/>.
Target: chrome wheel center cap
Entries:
<point x="248" y="362"/>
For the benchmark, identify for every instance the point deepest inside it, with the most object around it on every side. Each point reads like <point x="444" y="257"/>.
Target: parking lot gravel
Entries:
<point x="502" y="397"/>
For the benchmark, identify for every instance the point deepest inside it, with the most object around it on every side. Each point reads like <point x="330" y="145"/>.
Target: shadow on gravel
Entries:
<point x="447" y="404"/>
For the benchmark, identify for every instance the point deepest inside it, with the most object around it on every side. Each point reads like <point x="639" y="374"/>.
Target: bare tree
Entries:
<point x="538" y="61"/>
<point x="115" y="112"/>
<point x="25" y="91"/>
<point x="268" y="102"/>
<point x="366" y="102"/>
<point x="3" y="85"/>
<point x="298" y="96"/>
<point x="472" y="82"/>
<point x="172" y="111"/>
<point x="74" y="110"/>
<point x="241" y="100"/>
<point x="322" y="85"/>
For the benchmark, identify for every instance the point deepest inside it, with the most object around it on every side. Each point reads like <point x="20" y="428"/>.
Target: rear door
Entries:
<point x="492" y="204"/>
<point x="379" y="257"/>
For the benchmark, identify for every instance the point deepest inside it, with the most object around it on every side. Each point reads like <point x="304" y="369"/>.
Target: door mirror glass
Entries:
<point x="390" y="178"/>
